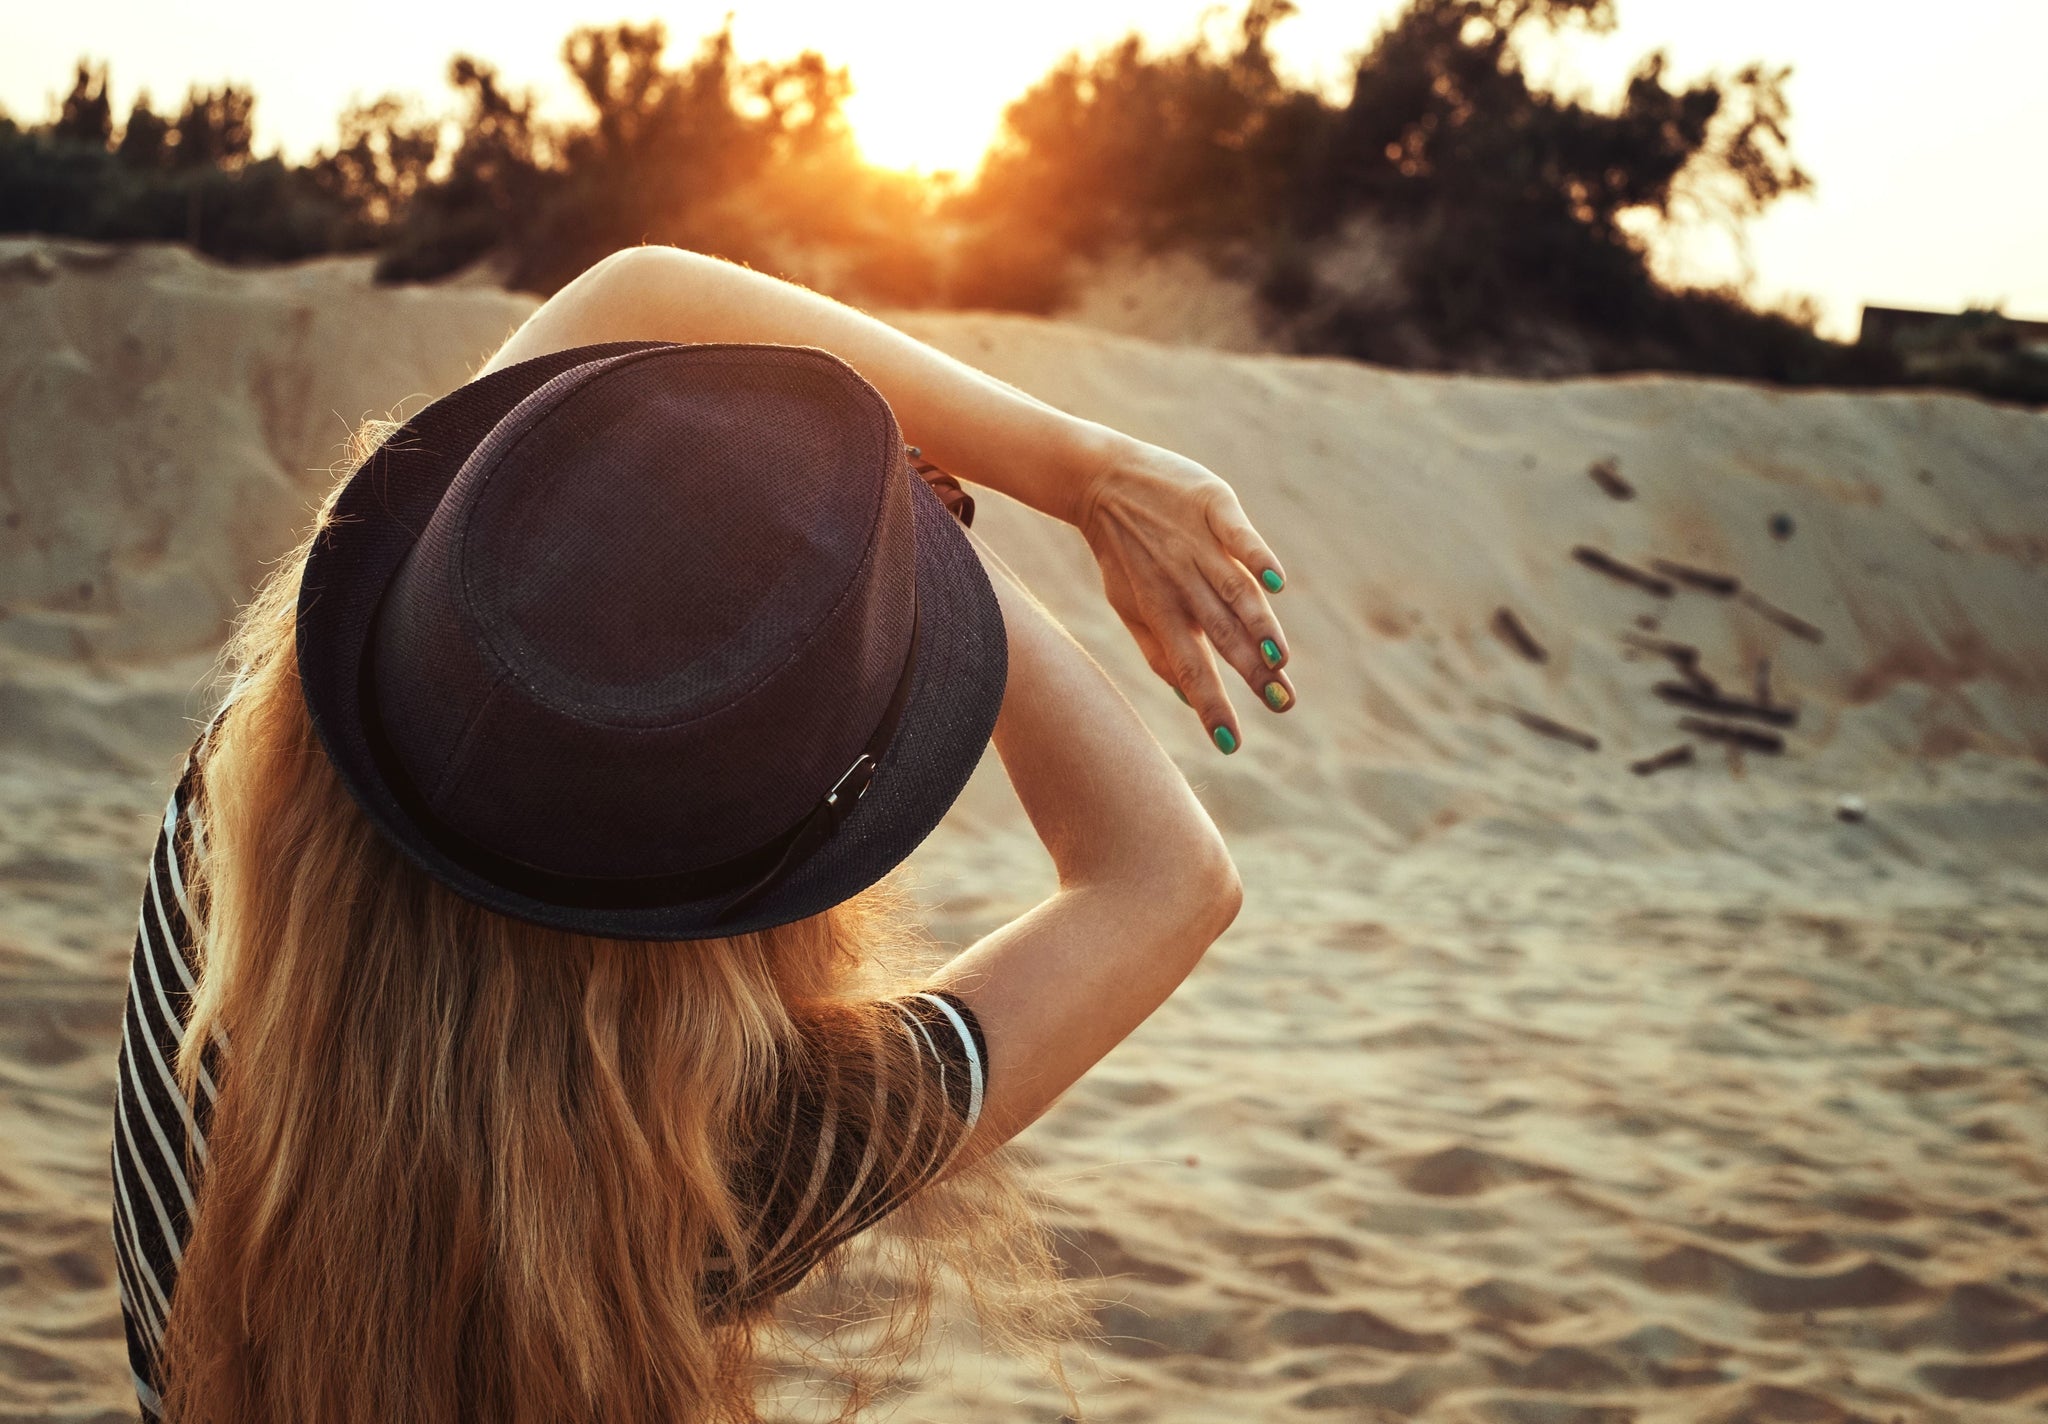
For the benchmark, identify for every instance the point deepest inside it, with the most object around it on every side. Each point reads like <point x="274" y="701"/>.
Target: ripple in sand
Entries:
<point x="1988" y="1379"/>
<point x="1783" y="1404"/>
<point x="1399" y="1396"/>
<point x="1464" y="1171"/>
<point x="1353" y="1327"/>
<point x="1140" y="1334"/>
<point x="1975" y="1317"/>
<point x="1087" y="1252"/>
<point x="1695" y="1268"/>
<point x="1516" y="1302"/>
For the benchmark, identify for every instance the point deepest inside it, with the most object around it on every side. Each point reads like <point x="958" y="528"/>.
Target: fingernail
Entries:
<point x="1226" y="740"/>
<point x="1272" y="580"/>
<point x="1270" y="651"/>
<point x="1278" y="697"/>
<point x="1183" y="697"/>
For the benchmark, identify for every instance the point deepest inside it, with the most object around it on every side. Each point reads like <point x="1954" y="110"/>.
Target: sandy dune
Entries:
<point x="1526" y="1090"/>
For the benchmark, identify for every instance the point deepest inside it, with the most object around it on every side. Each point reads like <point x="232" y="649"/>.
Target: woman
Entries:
<point x="517" y="1012"/>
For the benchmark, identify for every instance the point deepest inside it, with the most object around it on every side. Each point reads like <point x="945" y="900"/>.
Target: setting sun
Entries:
<point x="931" y="81"/>
<point x="936" y="123"/>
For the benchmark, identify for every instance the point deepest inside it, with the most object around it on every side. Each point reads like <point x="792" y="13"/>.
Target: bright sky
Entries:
<point x="1921" y="126"/>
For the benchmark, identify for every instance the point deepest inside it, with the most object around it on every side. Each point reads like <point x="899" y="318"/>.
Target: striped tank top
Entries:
<point x="818" y="1179"/>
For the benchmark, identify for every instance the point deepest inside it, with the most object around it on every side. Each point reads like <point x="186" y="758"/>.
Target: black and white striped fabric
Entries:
<point x="819" y="1176"/>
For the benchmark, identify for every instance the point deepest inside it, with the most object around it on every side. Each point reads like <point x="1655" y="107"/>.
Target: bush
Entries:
<point x="1502" y="222"/>
<point x="190" y="179"/>
<point x="1507" y="207"/>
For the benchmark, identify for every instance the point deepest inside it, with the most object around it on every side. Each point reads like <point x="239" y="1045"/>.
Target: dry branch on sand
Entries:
<point x="1604" y="563"/>
<point x="1683" y="657"/>
<point x="1705" y="580"/>
<point x="1512" y="631"/>
<point x="1682" y="694"/>
<point x="1680" y="755"/>
<point x="1549" y="726"/>
<point x="1791" y="622"/>
<point x="1748" y="738"/>
<point x="1607" y="474"/>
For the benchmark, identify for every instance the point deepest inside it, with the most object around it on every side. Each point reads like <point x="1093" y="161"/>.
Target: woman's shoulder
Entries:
<point x="947" y="1039"/>
<point x="164" y="939"/>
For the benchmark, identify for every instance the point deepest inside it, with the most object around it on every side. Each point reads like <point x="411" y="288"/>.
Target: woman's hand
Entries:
<point x="1187" y="573"/>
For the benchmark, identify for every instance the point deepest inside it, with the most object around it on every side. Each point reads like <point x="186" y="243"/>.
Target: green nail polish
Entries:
<point x="1278" y="697"/>
<point x="1183" y="697"/>
<point x="1272" y="580"/>
<point x="1226" y="740"/>
<point x="1270" y="651"/>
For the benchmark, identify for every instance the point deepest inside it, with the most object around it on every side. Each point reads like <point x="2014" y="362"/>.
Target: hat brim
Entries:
<point x="955" y="694"/>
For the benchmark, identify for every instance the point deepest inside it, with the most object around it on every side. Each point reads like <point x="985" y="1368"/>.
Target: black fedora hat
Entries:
<point x="651" y="641"/>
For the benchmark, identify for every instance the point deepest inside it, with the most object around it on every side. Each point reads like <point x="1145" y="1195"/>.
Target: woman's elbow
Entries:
<point x="1181" y="894"/>
<point x="1204" y="890"/>
<point x="1225" y="895"/>
<point x="627" y="277"/>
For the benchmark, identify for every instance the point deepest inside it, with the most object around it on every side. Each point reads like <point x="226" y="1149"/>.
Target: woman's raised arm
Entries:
<point x="965" y="420"/>
<point x="1145" y="882"/>
<point x="1181" y="564"/>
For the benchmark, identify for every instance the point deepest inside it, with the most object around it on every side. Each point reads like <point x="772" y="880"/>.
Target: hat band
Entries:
<point x="745" y="878"/>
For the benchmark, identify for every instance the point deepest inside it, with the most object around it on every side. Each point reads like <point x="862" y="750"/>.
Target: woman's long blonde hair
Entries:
<point x="466" y="1168"/>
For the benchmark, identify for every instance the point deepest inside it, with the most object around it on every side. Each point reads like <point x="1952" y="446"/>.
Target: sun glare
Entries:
<point x="913" y="129"/>
<point x="907" y="111"/>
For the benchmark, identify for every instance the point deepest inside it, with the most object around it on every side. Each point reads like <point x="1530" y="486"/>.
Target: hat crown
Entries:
<point x="663" y="601"/>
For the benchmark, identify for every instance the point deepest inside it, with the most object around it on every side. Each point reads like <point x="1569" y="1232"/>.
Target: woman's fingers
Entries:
<point x="1179" y="615"/>
<point x="1257" y="660"/>
<point x="1247" y="603"/>
<point x="1188" y="665"/>
<point x="1235" y="533"/>
<point x="1202" y="686"/>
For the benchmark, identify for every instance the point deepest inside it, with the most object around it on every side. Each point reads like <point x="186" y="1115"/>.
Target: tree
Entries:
<point x="1194" y="147"/>
<point x="1504" y="210"/>
<point x="216" y="128"/>
<point x="146" y="137"/>
<point x="85" y="115"/>
<point x="498" y="179"/>
<point x="380" y="161"/>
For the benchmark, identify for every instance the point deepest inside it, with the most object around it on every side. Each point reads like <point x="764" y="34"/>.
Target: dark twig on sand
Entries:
<point x="1748" y="738"/>
<point x="1791" y="622"/>
<point x="1546" y="726"/>
<point x="1680" y="755"/>
<point x="1683" y="657"/>
<point x="1698" y="681"/>
<point x="1705" y="580"/>
<point x="1721" y="705"/>
<point x="1602" y="563"/>
<point x="1763" y="683"/>
<point x="1607" y="474"/>
<point x="1511" y="630"/>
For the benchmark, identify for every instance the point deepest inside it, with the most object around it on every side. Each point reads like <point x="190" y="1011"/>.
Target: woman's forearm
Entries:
<point x="965" y="420"/>
<point x="1104" y="797"/>
<point x="1145" y="881"/>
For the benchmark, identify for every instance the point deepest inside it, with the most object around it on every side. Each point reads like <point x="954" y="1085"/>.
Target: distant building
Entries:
<point x="1914" y="333"/>
<point x="1984" y="351"/>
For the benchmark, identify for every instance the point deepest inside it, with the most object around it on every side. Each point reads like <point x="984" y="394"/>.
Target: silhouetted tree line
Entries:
<point x="188" y="177"/>
<point x="1493" y="212"/>
<point x="1447" y="212"/>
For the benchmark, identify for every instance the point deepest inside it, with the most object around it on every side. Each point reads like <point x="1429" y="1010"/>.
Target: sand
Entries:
<point x="1526" y="1090"/>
